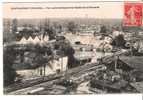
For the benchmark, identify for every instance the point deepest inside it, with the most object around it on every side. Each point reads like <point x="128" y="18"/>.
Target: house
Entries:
<point x="30" y="40"/>
<point x="136" y="63"/>
<point x="60" y="64"/>
<point x="129" y="66"/>
<point x="83" y="56"/>
<point x="46" y="38"/>
<point x="34" y="40"/>
<point x="23" y="40"/>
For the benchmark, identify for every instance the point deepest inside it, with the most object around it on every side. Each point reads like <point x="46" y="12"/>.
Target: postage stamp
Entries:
<point x="133" y="14"/>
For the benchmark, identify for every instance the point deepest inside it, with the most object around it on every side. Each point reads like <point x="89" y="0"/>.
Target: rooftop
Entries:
<point x="138" y="86"/>
<point x="133" y="61"/>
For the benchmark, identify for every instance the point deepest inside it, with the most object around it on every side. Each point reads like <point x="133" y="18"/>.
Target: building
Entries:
<point x="35" y="40"/>
<point x="54" y="66"/>
<point x="136" y="64"/>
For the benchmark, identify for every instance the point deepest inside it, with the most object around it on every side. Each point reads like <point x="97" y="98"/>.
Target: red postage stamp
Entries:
<point x="132" y="14"/>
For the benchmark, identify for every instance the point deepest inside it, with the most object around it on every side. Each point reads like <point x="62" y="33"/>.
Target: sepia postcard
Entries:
<point x="72" y="48"/>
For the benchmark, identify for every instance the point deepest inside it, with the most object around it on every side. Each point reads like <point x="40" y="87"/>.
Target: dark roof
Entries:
<point x="138" y="86"/>
<point x="110" y="85"/>
<point x="135" y="62"/>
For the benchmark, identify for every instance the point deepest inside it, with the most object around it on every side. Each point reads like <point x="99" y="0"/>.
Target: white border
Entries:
<point x="73" y="97"/>
<point x="60" y="0"/>
<point x="1" y="51"/>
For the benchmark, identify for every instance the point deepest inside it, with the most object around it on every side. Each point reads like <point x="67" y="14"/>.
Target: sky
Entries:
<point x="45" y="10"/>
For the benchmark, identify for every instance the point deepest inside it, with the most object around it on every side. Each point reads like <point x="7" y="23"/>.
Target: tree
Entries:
<point x="14" y="25"/>
<point x="47" y="24"/>
<point x="66" y="49"/>
<point x="60" y="28"/>
<point x="57" y="27"/>
<point x="72" y="27"/>
<point x="103" y="29"/>
<point x="49" y="30"/>
<point x="119" y="41"/>
<point x="43" y="56"/>
<point x="7" y="35"/>
<point x="9" y="72"/>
